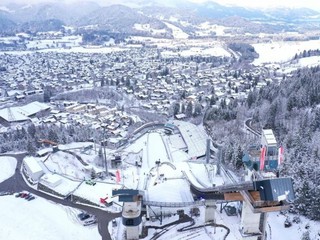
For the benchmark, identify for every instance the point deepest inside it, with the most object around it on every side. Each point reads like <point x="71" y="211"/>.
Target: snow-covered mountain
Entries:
<point x="122" y="18"/>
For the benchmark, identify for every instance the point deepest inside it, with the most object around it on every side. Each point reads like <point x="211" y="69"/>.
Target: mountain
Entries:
<point x="120" y="18"/>
<point x="215" y="10"/>
<point x="295" y="14"/>
<point x="6" y="24"/>
<point x="67" y="13"/>
<point x="41" y="26"/>
<point x="148" y="17"/>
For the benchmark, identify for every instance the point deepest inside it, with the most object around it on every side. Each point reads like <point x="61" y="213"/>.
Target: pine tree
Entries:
<point x="189" y="109"/>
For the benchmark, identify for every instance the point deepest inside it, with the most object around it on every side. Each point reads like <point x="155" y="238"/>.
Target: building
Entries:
<point x="32" y="169"/>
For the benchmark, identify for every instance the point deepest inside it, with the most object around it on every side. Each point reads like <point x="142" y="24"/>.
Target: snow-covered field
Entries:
<point x="8" y="166"/>
<point x="282" y="51"/>
<point x="149" y="29"/>
<point x="69" y="41"/>
<point x="207" y="29"/>
<point x="309" y="61"/>
<point x="40" y="219"/>
<point x="177" y="32"/>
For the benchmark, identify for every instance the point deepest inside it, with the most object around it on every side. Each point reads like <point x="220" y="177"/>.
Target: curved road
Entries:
<point x="248" y="125"/>
<point x="17" y="184"/>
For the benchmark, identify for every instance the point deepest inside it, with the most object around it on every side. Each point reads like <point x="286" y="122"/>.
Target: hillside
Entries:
<point x="291" y="108"/>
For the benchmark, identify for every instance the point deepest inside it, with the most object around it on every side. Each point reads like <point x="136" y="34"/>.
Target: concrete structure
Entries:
<point x="32" y="168"/>
<point x="250" y="223"/>
<point x="131" y="211"/>
<point x="131" y="219"/>
<point x="210" y="211"/>
<point x="51" y="180"/>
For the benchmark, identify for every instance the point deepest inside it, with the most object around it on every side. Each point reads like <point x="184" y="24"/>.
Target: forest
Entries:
<point x="291" y="109"/>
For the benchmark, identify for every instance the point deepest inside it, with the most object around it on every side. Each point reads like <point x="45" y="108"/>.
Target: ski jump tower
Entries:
<point x="131" y="211"/>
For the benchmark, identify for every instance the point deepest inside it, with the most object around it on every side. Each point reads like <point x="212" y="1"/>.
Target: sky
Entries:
<point x="313" y="4"/>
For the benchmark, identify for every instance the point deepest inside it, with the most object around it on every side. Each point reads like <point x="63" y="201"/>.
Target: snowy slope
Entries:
<point x="7" y="169"/>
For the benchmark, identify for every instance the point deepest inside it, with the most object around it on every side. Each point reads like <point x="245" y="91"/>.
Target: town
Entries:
<point x="122" y="135"/>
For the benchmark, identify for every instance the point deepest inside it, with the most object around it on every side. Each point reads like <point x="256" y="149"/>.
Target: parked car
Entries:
<point x="89" y="222"/>
<point x="31" y="198"/>
<point x="23" y="195"/>
<point x="18" y="194"/>
<point x="28" y="197"/>
<point x="83" y="216"/>
<point x="90" y="182"/>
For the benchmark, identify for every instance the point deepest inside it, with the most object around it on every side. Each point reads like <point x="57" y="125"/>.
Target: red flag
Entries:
<point x="262" y="157"/>
<point x="118" y="178"/>
<point x="280" y="155"/>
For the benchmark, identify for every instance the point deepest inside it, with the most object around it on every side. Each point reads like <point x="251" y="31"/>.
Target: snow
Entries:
<point x="177" y="32"/>
<point x="276" y="223"/>
<point x="149" y="29"/>
<point x="8" y="166"/>
<point x="5" y="9"/>
<point x="94" y="193"/>
<point x="282" y="51"/>
<point x="163" y="183"/>
<point x="179" y="191"/>
<point x="66" y="164"/>
<point x="64" y="187"/>
<point x="309" y="61"/>
<point x="40" y="219"/>
<point x="206" y="29"/>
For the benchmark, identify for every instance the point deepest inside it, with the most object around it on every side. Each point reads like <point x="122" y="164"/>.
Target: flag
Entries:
<point x="118" y="178"/>
<point x="262" y="157"/>
<point x="280" y="155"/>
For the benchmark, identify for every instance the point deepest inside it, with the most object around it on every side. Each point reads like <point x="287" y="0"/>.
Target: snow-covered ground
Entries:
<point x="149" y="29"/>
<point x="177" y="32"/>
<point x="67" y="164"/>
<point x="208" y="29"/>
<point x="69" y="41"/>
<point x="8" y="166"/>
<point x="41" y="219"/>
<point x="94" y="193"/>
<point x="309" y="61"/>
<point x="282" y="51"/>
<point x="275" y="228"/>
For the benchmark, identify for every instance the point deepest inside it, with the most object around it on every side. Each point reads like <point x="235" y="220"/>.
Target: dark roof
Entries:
<point x="275" y="189"/>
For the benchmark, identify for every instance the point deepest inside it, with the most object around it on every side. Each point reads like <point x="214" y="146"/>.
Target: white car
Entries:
<point x="89" y="222"/>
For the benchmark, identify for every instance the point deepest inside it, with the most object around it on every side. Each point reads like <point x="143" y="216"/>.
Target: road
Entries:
<point x="248" y="125"/>
<point x="16" y="184"/>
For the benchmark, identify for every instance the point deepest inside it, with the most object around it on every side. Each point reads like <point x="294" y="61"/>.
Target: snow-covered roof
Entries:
<point x="33" y="164"/>
<point x="194" y="136"/>
<point x="17" y="114"/>
<point x="269" y="137"/>
<point x="52" y="179"/>
<point x="33" y="108"/>
<point x="12" y="115"/>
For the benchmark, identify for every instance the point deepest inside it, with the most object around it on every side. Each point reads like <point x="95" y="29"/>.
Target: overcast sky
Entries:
<point x="313" y="4"/>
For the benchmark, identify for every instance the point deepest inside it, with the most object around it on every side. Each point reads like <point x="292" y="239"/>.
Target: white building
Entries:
<point x="32" y="168"/>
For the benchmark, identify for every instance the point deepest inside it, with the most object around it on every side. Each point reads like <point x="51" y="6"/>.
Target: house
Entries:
<point x="32" y="169"/>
